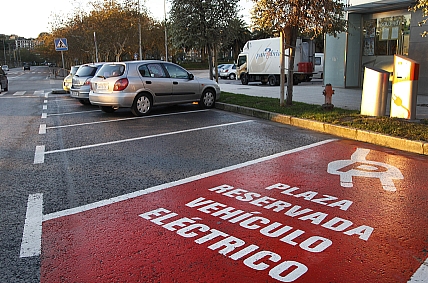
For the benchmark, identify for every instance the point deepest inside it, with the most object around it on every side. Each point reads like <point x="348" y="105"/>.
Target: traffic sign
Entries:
<point x="61" y="44"/>
<point x="336" y="211"/>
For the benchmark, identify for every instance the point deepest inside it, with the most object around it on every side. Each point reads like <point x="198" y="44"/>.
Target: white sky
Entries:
<point x="28" y="18"/>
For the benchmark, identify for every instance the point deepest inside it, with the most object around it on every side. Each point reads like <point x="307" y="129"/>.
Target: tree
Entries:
<point x="197" y="24"/>
<point x="293" y="17"/>
<point x="114" y="25"/>
<point x="422" y="5"/>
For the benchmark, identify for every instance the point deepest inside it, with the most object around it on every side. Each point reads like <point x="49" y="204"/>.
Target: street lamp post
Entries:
<point x="140" y="51"/>
<point x="166" y="39"/>
<point x="96" y="48"/>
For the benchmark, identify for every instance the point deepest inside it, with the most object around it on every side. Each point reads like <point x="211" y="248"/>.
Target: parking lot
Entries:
<point x="106" y="173"/>
<point x="89" y="196"/>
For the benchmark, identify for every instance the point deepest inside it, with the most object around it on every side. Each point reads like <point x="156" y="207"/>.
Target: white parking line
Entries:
<point x="33" y="239"/>
<point x="19" y="93"/>
<point x="39" y="156"/>
<point x="118" y="120"/>
<point x="72" y="113"/>
<point x="42" y="129"/>
<point x="32" y="234"/>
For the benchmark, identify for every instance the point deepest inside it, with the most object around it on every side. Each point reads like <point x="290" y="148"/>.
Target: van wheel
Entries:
<point x="272" y="80"/>
<point x="244" y="79"/>
<point x="142" y="105"/>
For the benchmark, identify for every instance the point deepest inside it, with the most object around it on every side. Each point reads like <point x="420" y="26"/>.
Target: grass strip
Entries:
<point x="411" y="130"/>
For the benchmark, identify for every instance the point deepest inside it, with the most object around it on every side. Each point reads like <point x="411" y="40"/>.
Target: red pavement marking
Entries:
<point x="138" y="241"/>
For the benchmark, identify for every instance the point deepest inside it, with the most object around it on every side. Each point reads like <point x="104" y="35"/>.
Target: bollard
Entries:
<point x="328" y="93"/>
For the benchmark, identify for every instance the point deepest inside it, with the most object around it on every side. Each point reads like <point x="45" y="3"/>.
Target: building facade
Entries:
<point x="377" y="30"/>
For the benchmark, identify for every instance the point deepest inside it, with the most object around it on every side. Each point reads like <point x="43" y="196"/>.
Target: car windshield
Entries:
<point x="86" y="71"/>
<point x="74" y="70"/>
<point x="111" y="70"/>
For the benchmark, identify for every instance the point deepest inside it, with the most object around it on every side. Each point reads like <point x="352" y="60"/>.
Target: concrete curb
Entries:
<point x="419" y="147"/>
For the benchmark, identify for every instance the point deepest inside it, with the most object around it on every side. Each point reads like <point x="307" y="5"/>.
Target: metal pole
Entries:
<point x="4" y="51"/>
<point x="96" y="48"/>
<point x="166" y="40"/>
<point x="139" y="29"/>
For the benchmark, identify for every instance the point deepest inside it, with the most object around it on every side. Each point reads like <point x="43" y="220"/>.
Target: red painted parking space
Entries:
<point x="338" y="212"/>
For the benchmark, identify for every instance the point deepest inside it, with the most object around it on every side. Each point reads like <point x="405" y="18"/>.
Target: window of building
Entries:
<point x="386" y="35"/>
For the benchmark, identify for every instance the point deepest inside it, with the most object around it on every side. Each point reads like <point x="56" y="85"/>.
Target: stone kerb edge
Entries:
<point x="341" y="131"/>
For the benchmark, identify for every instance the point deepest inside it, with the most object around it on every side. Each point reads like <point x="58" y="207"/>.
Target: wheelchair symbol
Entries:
<point x="358" y="166"/>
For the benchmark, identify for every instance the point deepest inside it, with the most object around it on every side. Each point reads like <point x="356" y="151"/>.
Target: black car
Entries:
<point x="4" y="83"/>
<point x="26" y="67"/>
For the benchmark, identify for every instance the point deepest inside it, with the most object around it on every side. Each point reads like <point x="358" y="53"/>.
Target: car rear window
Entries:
<point x="86" y="71"/>
<point x="111" y="70"/>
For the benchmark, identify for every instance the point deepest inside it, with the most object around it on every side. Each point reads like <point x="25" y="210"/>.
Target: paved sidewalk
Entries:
<point x="311" y="93"/>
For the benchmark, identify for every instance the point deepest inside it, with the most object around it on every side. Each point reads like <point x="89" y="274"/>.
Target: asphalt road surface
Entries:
<point x="88" y="196"/>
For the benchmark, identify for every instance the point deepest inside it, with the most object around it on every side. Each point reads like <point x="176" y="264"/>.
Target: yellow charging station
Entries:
<point x="404" y="88"/>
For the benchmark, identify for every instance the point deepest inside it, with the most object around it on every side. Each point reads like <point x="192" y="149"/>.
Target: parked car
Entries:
<point x="26" y="67"/>
<point x="5" y="68"/>
<point x="81" y="81"/>
<point x="140" y="85"/>
<point x="4" y="83"/>
<point x="228" y="71"/>
<point x="68" y="80"/>
<point x="218" y="69"/>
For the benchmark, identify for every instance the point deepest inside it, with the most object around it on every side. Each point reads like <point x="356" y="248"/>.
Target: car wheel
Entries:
<point x="207" y="99"/>
<point x="85" y="101"/>
<point x="107" y="109"/>
<point x="232" y="76"/>
<point x="142" y="105"/>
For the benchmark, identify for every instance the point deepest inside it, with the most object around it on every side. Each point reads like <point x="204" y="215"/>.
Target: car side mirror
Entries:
<point x="191" y="77"/>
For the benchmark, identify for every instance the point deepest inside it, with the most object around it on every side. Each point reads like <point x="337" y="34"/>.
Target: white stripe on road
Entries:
<point x="42" y="129"/>
<point x="19" y="93"/>
<point x="39" y="156"/>
<point x="117" y="120"/>
<point x="421" y="275"/>
<point x="128" y="196"/>
<point x="32" y="235"/>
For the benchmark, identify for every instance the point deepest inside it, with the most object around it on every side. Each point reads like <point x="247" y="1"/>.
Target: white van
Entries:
<point x="319" y="66"/>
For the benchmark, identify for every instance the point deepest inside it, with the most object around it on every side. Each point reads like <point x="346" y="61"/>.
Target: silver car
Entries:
<point x="68" y="80"/>
<point x="140" y="85"/>
<point x="81" y="82"/>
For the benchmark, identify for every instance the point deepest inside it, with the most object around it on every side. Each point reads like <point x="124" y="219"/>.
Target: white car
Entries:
<point x="5" y="68"/>
<point x="228" y="71"/>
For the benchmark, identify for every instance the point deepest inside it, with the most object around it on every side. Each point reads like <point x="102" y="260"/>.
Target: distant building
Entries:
<point x="26" y="43"/>
<point x="378" y="29"/>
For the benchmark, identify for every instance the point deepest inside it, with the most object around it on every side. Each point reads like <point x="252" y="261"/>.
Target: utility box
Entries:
<point x="375" y="92"/>
<point x="404" y="88"/>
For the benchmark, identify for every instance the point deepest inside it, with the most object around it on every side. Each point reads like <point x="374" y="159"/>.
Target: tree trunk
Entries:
<point x="210" y="60"/>
<point x="291" y="39"/>
<point x="282" y="66"/>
